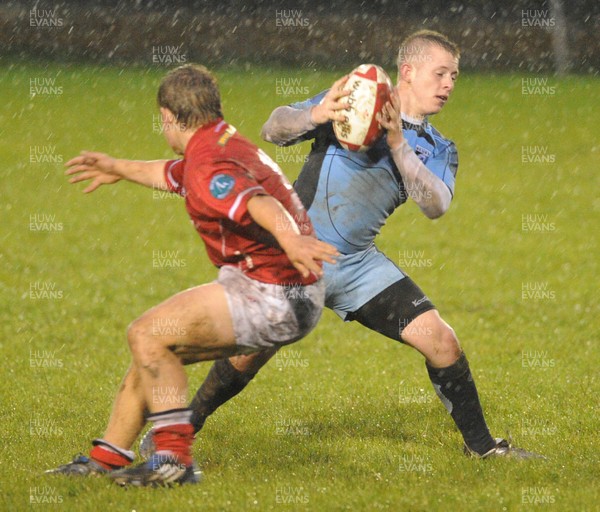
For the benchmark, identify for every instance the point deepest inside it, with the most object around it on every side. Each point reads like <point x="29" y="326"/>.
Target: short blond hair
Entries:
<point x="413" y="46"/>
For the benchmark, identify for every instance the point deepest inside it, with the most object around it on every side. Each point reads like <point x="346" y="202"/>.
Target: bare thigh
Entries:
<point x="195" y="324"/>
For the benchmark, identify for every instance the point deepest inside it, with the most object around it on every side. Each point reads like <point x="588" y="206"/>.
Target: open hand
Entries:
<point x="305" y="251"/>
<point x="90" y="165"/>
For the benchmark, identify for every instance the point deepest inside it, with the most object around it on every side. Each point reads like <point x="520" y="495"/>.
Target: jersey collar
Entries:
<point x="204" y="133"/>
<point x="412" y="123"/>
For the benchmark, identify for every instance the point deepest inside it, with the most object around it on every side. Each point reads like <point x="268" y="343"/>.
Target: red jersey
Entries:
<point x="219" y="173"/>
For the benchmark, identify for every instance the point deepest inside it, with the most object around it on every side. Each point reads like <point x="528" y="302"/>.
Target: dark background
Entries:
<point x="330" y="34"/>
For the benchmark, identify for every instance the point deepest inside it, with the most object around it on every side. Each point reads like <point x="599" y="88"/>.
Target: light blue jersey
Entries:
<point x="350" y="195"/>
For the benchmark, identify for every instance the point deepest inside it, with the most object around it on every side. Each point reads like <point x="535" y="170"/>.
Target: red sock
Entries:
<point x="177" y="439"/>
<point x="108" y="459"/>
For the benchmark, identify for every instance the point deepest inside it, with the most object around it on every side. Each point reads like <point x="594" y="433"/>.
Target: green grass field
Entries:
<point x="345" y="419"/>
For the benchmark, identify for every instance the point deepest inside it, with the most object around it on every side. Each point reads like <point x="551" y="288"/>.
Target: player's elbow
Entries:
<point x="435" y="209"/>
<point x="438" y="203"/>
<point x="434" y="212"/>
<point x="269" y="134"/>
<point x="265" y="133"/>
<point x="269" y="130"/>
<point x="275" y="130"/>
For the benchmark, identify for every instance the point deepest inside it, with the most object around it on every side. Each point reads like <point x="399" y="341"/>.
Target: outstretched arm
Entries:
<point x="287" y="124"/>
<point x="303" y="251"/>
<point x="103" y="169"/>
<point x="425" y="188"/>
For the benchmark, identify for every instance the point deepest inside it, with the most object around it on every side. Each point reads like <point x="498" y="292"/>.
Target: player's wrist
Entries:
<point x="285" y="238"/>
<point x="117" y="167"/>
<point x="312" y="116"/>
<point x="398" y="145"/>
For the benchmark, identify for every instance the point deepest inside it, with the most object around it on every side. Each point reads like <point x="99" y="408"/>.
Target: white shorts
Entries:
<point x="266" y="315"/>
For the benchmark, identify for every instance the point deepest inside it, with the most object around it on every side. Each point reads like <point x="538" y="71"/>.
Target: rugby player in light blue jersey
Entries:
<point x="349" y="196"/>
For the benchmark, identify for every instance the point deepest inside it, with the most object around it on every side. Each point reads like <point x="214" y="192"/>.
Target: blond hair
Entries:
<point x="413" y="47"/>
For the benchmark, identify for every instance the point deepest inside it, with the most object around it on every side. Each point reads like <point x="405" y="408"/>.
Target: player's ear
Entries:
<point x="407" y="72"/>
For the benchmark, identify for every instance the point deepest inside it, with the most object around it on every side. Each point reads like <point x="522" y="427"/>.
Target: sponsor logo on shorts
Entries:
<point x="221" y="185"/>
<point x="418" y="302"/>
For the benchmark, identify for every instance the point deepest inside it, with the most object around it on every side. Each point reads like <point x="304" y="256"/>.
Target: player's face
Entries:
<point x="433" y="79"/>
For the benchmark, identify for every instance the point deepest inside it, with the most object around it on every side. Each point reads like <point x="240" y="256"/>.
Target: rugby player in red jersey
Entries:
<point x="349" y="197"/>
<point x="268" y="292"/>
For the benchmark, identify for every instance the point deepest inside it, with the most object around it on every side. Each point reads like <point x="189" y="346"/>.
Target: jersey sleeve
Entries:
<point x="174" y="176"/>
<point x="228" y="191"/>
<point x="445" y="165"/>
<point x="301" y="105"/>
<point x="315" y="100"/>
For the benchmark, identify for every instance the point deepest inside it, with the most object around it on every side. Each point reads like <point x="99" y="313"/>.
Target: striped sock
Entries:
<point x="110" y="456"/>
<point x="173" y="434"/>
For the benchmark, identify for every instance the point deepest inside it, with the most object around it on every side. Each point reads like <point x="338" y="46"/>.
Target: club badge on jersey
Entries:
<point x="422" y="153"/>
<point x="221" y="185"/>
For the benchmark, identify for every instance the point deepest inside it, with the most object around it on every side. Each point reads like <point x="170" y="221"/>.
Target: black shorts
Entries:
<point x="393" y="309"/>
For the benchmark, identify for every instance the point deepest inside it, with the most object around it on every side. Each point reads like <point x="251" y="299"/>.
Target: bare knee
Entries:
<point x="447" y="343"/>
<point x="433" y="338"/>
<point x="139" y="338"/>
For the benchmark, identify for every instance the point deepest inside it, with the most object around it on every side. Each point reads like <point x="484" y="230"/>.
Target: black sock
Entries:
<point x="222" y="383"/>
<point x="456" y="389"/>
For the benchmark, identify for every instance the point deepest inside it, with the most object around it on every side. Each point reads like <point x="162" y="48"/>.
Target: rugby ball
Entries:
<point x="370" y="88"/>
